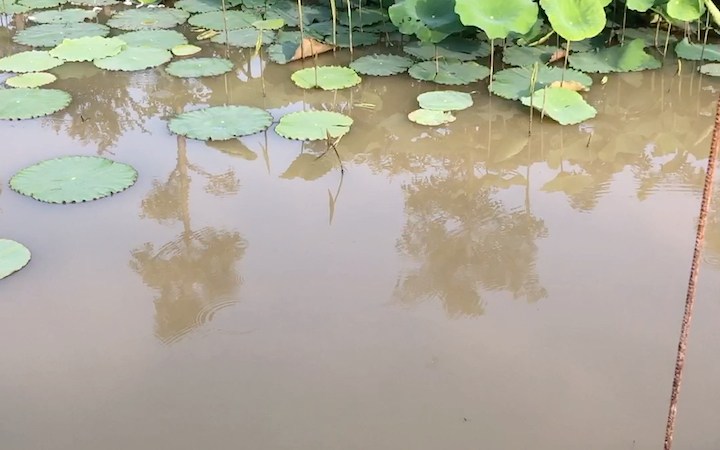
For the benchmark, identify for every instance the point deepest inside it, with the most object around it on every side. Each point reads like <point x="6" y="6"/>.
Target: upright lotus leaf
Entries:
<point x="695" y="52"/>
<point x="28" y="103"/>
<point x="429" y="20"/>
<point x="524" y="56"/>
<point x="12" y="7"/>
<point x="13" y="257"/>
<point x="450" y="48"/>
<point x="445" y="100"/>
<point x="630" y="57"/>
<point x="449" y="72"/>
<point x="203" y="6"/>
<point x="148" y="19"/>
<point x="214" y="20"/>
<point x="52" y="34"/>
<point x="185" y="50"/>
<point x="31" y="80"/>
<point x="640" y="5"/>
<point x="42" y="4"/>
<point x="313" y="125"/>
<point x="163" y="39"/>
<point x="199" y="67"/>
<point x="73" y="179"/>
<point x="515" y="83"/>
<point x="498" y="18"/>
<point x="244" y="37"/>
<point x="711" y="69"/>
<point x="326" y="77"/>
<point x="88" y="48"/>
<point x="70" y="15"/>
<point x="685" y="10"/>
<point x="220" y="123"/>
<point x="134" y="58"/>
<point x="362" y="17"/>
<point x="575" y="20"/>
<point x="381" y="65"/>
<point x="565" y="106"/>
<point x="31" y="61"/>
<point x="430" y="118"/>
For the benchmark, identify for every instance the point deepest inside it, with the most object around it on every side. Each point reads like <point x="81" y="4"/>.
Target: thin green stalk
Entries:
<point x="333" y="9"/>
<point x="302" y="30"/>
<point x="667" y="41"/>
<point x="567" y="52"/>
<point x="707" y="30"/>
<point x="533" y="80"/>
<point x="225" y="26"/>
<point x="350" y="26"/>
<point x="622" y="37"/>
<point x="492" y="60"/>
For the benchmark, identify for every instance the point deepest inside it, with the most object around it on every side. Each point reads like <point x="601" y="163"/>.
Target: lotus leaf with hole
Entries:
<point x="12" y="7"/>
<point x="381" y="65"/>
<point x="630" y="57"/>
<point x="134" y="58"/>
<point x="28" y="103"/>
<point x="30" y="61"/>
<point x="214" y="20"/>
<point x="450" y="48"/>
<point x="326" y="77"/>
<point x="313" y="125"/>
<point x="73" y="179"/>
<point x="42" y="4"/>
<point x="199" y="67"/>
<point x="148" y="19"/>
<point x="31" y="80"/>
<point x="52" y="34"/>
<point x="515" y="83"/>
<point x="449" y="72"/>
<point x="562" y="105"/>
<point x="219" y="123"/>
<point x="445" y="100"/>
<point x="524" y="56"/>
<point x="575" y="20"/>
<point x="430" y="118"/>
<point x="70" y="15"/>
<point x="695" y="52"/>
<point x="364" y="17"/>
<point x="185" y="50"/>
<point x="245" y="37"/>
<point x="164" y="39"/>
<point x="498" y="18"/>
<point x="88" y="48"/>
<point x="13" y="257"/>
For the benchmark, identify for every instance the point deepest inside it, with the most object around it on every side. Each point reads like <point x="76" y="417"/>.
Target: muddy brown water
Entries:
<point x="461" y="287"/>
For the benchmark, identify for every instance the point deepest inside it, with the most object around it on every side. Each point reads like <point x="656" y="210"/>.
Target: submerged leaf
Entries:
<point x="381" y="65"/>
<point x="630" y="57"/>
<point x="313" y="125"/>
<point x="515" y="83"/>
<point x="563" y="105"/>
<point x="445" y="100"/>
<point x="219" y="123"/>
<point x="430" y="118"/>
<point x="326" y="77"/>
<point x="13" y="257"/>
<point x="199" y="67"/>
<point x="569" y="183"/>
<point x="449" y="72"/>
<point x="498" y="18"/>
<point x="30" y="61"/>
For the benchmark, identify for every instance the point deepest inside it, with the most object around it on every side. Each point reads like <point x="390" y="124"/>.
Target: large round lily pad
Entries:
<point x="381" y="65"/>
<point x="199" y="67"/>
<point x="31" y="61"/>
<point x="203" y="6"/>
<point x="13" y="257"/>
<point x="313" y="125"/>
<point x="575" y="20"/>
<point x="95" y="3"/>
<point x="28" y="103"/>
<point x="73" y="179"/>
<point x="148" y="19"/>
<point x="12" y="7"/>
<point x="630" y="57"/>
<point x="219" y="123"/>
<point x="565" y="106"/>
<point x="430" y="118"/>
<point x="525" y="56"/>
<point x="135" y="58"/>
<point x="31" y="80"/>
<point x="214" y="20"/>
<point x="163" y="39"/>
<point x="70" y="15"/>
<point x="185" y="50"/>
<point x="52" y="34"/>
<point x="515" y="83"/>
<point x="445" y="100"/>
<point x="326" y="77"/>
<point x="244" y="37"/>
<point x="449" y="72"/>
<point x="42" y="4"/>
<point x="88" y="48"/>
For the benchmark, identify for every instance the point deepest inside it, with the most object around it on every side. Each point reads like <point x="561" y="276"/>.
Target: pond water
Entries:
<point x="459" y="287"/>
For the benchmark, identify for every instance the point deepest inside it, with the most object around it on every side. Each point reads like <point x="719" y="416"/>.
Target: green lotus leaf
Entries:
<point x="282" y="53"/>
<point x="449" y="72"/>
<point x="382" y="27"/>
<point x="288" y="12"/>
<point x="431" y="118"/>
<point x="575" y="20"/>
<point x="569" y="183"/>
<point x="52" y="34"/>
<point x="711" y="69"/>
<point x="185" y="50"/>
<point x="30" y="61"/>
<point x="28" y="103"/>
<point x="219" y="123"/>
<point x="269" y="24"/>
<point x="134" y="58"/>
<point x="148" y="19"/>
<point x="685" y="10"/>
<point x="30" y="80"/>
<point x="70" y="15"/>
<point x="313" y="125"/>
<point x="326" y="29"/>
<point x="203" y="6"/>
<point x="359" y="38"/>
<point x="429" y="20"/>
<point x="214" y="20"/>
<point x="644" y="33"/>
<point x="73" y="179"/>
<point x="12" y="7"/>
<point x="244" y="37"/>
<point x="630" y="57"/>
<point x="42" y="4"/>
<point x="381" y="65"/>
<point x="695" y="52"/>
<point x="95" y="3"/>
<point x="326" y="77"/>
<point x="445" y="100"/>
<point x="524" y="56"/>
<point x="360" y="18"/>
<point x="163" y="39"/>
<point x="199" y="67"/>
<point x="498" y="18"/>
<point x="537" y="31"/>
<point x="450" y="48"/>
<point x="565" y="106"/>
<point x="515" y="83"/>
<point x="88" y="48"/>
<point x="13" y="257"/>
<point x="640" y="5"/>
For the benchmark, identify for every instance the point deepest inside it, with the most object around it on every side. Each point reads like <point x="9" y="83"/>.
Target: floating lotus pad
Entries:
<point x="326" y="77"/>
<point x="27" y="103"/>
<point x="13" y="257"/>
<point x="313" y="125"/>
<point x="563" y="105"/>
<point x="203" y="6"/>
<point x="52" y="34"/>
<point x="185" y="50"/>
<point x="451" y="48"/>
<point x="42" y="4"/>
<point x="31" y="80"/>
<point x="219" y="123"/>
<point x="199" y="67"/>
<point x="381" y="65"/>
<point x="95" y="2"/>
<point x="70" y="15"/>
<point x="447" y="72"/>
<point x="288" y="11"/>
<point x="696" y="52"/>
<point x="73" y="179"/>
<point x="514" y="83"/>
<point x="269" y="24"/>
<point x="88" y="48"/>
<point x="30" y="61"/>
<point x="214" y="20"/>
<point x="630" y="57"/>
<point x="525" y="56"/>
<point x="135" y="58"/>
<point x="362" y="17"/>
<point x="148" y="19"/>
<point x="164" y="39"/>
<point x="244" y="37"/>
<point x="445" y="100"/>
<point x="500" y="17"/>
<point x="430" y="118"/>
<point x="12" y="7"/>
<point x="342" y="40"/>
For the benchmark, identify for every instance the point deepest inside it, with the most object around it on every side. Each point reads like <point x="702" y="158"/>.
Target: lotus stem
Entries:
<point x="533" y="80"/>
<point x="302" y="29"/>
<point x="350" y="26"/>
<point x="225" y="26"/>
<point x="492" y="60"/>
<point x="667" y="40"/>
<point x="333" y="9"/>
<point x="707" y="29"/>
<point x="567" y="52"/>
<point x="622" y="37"/>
